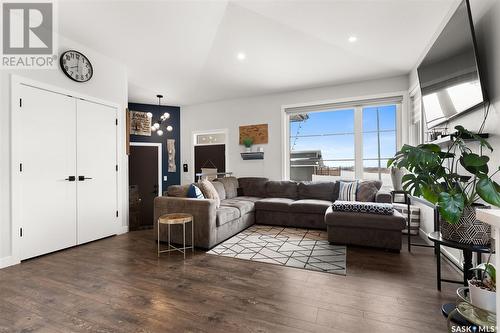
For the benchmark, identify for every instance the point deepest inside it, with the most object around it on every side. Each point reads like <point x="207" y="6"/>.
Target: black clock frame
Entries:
<point x="66" y="73"/>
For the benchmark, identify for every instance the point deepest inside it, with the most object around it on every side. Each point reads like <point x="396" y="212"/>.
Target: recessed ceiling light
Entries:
<point x="241" y="56"/>
<point x="352" y="39"/>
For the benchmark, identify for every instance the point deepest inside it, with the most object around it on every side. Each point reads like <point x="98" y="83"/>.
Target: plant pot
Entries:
<point x="468" y="230"/>
<point x="482" y="298"/>
<point x="248" y="149"/>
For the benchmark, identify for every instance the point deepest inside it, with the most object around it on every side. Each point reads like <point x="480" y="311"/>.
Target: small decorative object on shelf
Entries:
<point x="466" y="313"/>
<point x="248" y="142"/>
<point x="256" y="155"/>
<point x="434" y="175"/>
<point x="482" y="286"/>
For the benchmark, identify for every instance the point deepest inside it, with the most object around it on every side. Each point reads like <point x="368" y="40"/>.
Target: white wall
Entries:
<point x="486" y="16"/>
<point x="230" y="114"/>
<point x="109" y="83"/>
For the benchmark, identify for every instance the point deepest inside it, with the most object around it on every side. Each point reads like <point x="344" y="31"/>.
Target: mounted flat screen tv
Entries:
<point x="449" y="75"/>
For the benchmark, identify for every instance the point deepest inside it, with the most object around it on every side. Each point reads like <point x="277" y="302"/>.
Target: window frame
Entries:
<point x="399" y="99"/>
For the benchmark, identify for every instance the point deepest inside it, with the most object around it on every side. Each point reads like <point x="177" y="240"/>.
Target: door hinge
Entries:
<point x="116" y="121"/>
<point x="116" y="167"/>
<point x="20" y="167"/>
<point x="116" y="213"/>
<point x="20" y="232"/>
<point x="20" y="102"/>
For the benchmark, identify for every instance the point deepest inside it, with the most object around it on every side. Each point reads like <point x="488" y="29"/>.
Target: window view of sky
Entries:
<point x="331" y="133"/>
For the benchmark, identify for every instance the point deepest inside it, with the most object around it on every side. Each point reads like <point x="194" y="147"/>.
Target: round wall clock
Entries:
<point x="76" y="66"/>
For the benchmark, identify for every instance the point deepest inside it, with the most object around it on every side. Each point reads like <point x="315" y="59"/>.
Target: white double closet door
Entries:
<point x="67" y="171"/>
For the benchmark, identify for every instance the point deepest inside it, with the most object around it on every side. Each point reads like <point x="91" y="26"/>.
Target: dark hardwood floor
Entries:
<point x="119" y="285"/>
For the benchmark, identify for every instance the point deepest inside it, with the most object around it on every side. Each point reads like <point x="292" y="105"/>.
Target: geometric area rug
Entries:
<point x="293" y="247"/>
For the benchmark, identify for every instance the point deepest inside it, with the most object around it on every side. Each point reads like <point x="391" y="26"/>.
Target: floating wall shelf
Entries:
<point x="446" y="140"/>
<point x="258" y="155"/>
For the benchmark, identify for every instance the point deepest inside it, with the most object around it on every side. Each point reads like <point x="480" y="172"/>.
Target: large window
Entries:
<point x="347" y="142"/>
<point x="379" y="141"/>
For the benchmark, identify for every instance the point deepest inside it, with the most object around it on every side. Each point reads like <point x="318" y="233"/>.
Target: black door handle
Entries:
<point x="70" y="179"/>
<point x="82" y="178"/>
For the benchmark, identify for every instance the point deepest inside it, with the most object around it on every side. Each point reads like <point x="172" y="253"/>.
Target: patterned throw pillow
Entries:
<point x="194" y="192"/>
<point x="363" y="207"/>
<point x="347" y="191"/>
<point x="209" y="191"/>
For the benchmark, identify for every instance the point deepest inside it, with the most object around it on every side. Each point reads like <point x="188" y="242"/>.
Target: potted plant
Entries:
<point x="434" y="175"/>
<point x="482" y="287"/>
<point x="248" y="142"/>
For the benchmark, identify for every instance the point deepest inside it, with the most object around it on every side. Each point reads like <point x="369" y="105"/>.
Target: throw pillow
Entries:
<point x="209" y="191"/>
<point x="219" y="187"/>
<point x="367" y="190"/>
<point x="230" y="186"/>
<point x="347" y="191"/>
<point x="363" y="207"/>
<point x="194" y="192"/>
<point x="179" y="191"/>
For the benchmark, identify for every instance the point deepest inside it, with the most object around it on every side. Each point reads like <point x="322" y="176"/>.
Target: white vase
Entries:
<point x="482" y="298"/>
<point x="397" y="177"/>
<point x="248" y="149"/>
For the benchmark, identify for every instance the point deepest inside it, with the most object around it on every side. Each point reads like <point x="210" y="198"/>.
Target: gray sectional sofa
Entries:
<point x="249" y="200"/>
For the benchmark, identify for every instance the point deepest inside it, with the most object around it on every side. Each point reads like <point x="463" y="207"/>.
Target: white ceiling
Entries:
<point x="187" y="50"/>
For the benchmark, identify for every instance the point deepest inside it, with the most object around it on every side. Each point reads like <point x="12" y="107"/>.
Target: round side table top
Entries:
<point x="175" y="218"/>
<point x="437" y="238"/>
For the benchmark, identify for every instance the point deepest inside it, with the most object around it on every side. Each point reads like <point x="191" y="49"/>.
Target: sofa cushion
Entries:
<point x="230" y="186"/>
<point x="179" y="191"/>
<point x="209" y="191"/>
<point x="311" y="206"/>
<point x="225" y="214"/>
<point x="282" y="189"/>
<point x="219" y="187"/>
<point x="274" y="204"/>
<point x="245" y="198"/>
<point x="244" y="206"/>
<point x="364" y="221"/>
<point x="367" y="190"/>
<point x="253" y="186"/>
<point x="316" y="190"/>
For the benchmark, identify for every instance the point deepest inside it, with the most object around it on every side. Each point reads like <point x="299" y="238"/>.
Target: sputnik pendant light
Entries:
<point x="156" y="127"/>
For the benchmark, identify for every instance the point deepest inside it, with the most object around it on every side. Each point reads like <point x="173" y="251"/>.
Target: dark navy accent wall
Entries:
<point x="173" y="178"/>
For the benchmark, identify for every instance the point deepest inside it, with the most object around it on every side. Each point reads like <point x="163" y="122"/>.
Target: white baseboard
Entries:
<point x="123" y="230"/>
<point x="8" y="261"/>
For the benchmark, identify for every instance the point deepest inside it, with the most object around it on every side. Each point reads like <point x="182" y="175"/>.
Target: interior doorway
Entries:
<point x="145" y="183"/>
<point x="209" y="153"/>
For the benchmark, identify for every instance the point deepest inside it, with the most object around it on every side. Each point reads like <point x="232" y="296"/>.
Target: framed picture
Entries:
<point x="140" y="123"/>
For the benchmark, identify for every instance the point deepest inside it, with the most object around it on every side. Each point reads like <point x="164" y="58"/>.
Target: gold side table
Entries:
<point x="176" y="218"/>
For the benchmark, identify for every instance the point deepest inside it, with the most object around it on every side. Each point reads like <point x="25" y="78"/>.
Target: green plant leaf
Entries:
<point x="474" y="160"/>
<point x="429" y="193"/>
<point x="451" y="206"/>
<point x="430" y="147"/>
<point x="487" y="190"/>
<point x="475" y="170"/>
<point x="492" y="272"/>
